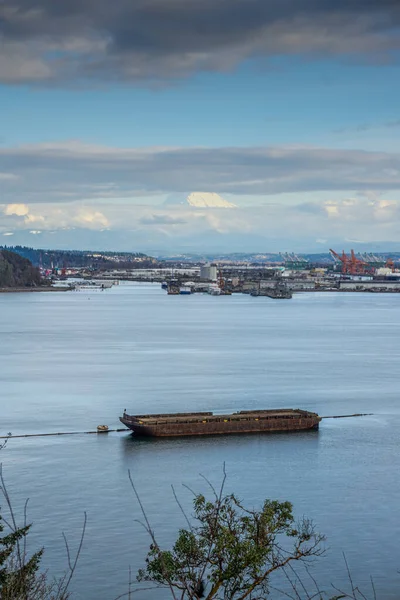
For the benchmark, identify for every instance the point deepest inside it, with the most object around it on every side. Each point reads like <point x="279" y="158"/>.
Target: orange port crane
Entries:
<point x="390" y="264"/>
<point x="351" y="265"/>
<point x="340" y="259"/>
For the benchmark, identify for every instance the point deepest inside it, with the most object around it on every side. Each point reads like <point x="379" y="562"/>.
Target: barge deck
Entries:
<point x="207" y="423"/>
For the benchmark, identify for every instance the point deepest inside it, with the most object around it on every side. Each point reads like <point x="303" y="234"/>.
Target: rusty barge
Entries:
<point x="206" y="423"/>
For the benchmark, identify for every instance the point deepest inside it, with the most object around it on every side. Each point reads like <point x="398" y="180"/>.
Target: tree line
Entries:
<point x="48" y="259"/>
<point x="16" y="271"/>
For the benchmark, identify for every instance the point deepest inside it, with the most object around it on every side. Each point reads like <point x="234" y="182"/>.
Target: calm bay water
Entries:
<point x="71" y="361"/>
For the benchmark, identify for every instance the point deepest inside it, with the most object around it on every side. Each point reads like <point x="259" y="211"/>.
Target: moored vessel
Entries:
<point x="214" y="290"/>
<point x="185" y="290"/>
<point x="206" y="423"/>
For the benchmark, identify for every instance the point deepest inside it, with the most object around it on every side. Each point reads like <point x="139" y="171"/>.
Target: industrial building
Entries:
<point x="370" y="286"/>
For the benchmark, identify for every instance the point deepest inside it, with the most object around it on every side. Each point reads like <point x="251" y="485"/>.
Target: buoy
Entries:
<point x="102" y="428"/>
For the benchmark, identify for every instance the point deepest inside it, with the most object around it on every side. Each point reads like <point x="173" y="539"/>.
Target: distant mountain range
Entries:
<point x="258" y="257"/>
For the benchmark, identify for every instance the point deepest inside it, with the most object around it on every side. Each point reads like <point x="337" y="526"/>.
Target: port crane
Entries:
<point x="293" y="261"/>
<point x="351" y="265"/>
<point x="390" y="264"/>
<point x="377" y="262"/>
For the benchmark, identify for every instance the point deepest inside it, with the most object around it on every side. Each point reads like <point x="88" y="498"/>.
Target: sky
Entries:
<point x="288" y="109"/>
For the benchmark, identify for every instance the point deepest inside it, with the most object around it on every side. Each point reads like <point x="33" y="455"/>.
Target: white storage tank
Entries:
<point x="208" y="272"/>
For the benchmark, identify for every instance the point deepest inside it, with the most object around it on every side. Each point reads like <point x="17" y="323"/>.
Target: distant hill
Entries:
<point x="16" y="271"/>
<point x="82" y="258"/>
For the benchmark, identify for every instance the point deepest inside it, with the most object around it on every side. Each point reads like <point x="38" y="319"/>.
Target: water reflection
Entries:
<point x="232" y="443"/>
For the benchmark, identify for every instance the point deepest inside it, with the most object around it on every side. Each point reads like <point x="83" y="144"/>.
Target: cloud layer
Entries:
<point x="157" y="40"/>
<point x="271" y="227"/>
<point x="62" y="172"/>
<point x="75" y="195"/>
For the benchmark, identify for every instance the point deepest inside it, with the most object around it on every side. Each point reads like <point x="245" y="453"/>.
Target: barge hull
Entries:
<point x="196" y="424"/>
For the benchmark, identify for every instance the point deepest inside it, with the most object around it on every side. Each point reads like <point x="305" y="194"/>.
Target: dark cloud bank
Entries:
<point x="59" y="41"/>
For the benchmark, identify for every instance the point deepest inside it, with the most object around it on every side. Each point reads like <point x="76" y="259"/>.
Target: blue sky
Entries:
<point x="292" y="115"/>
<point x="291" y="102"/>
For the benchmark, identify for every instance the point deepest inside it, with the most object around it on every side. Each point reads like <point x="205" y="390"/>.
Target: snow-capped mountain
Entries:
<point x="199" y="200"/>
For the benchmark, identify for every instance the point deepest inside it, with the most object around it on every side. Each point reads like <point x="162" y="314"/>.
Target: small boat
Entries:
<point x="214" y="290"/>
<point x="185" y="290"/>
<point x="102" y="428"/>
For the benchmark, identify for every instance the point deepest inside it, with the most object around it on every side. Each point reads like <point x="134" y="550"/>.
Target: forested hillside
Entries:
<point x="49" y="259"/>
<point x="16" y="271"/>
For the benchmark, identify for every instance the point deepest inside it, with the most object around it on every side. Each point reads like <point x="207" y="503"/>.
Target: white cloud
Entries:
<point x="268" y="227"/>
<point x="87" y="190"/>
<point x="16" y="209"/>
<point x="54" y="216"/>
<point x="356" y="209"/>
<point x="4" y="177"/>
<point x="92" y="219"/>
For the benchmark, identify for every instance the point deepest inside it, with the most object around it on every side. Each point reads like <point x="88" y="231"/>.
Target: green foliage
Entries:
<point x="18" y="574"/>
<point x="16" y="271"/>
<point x="230" y="552"/>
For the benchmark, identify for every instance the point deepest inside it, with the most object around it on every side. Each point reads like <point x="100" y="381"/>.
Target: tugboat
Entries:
<point x="173" y="287"/>
<point x="185" y="290"/>
<point x="279" y="291"/>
